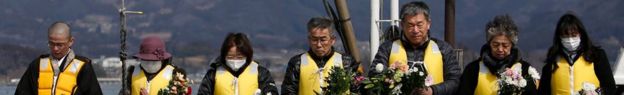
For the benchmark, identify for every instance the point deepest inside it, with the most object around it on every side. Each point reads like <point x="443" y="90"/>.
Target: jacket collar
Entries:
<point x="496" y="66"/>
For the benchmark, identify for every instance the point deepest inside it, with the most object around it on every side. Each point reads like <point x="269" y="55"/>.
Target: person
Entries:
<point x="306" y="72"/>
<point x="417" y="46"/>
<point x="574" y="63"/>
<point x="61" y="71"/>
<point x="498" y="55"/>
<point x="235" y="72"/>
<point x="154" y="71"/>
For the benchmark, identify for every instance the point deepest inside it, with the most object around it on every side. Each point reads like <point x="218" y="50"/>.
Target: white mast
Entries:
<point x="376" y="23"/>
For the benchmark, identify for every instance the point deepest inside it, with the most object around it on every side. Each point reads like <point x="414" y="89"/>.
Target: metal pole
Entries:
<point x="394" y="12"/>
<point x="123" y="55"/>
<point x="374" y="34"/>
<point x="449" y="22"/>
<point x="343" y="11"/>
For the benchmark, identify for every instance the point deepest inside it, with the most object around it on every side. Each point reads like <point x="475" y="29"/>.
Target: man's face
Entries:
<point x="59" y="44"/>
<point x="415" y="28"/>
<point x="320" y="41"/>
<point x="500" y="46"/>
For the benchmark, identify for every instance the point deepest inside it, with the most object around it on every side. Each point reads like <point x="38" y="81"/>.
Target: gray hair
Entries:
<point x="322" y="23"/>
<point x="502" y="25"/>
<point x="414" y="8"/>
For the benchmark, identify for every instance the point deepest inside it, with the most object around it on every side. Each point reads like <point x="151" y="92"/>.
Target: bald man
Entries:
<point x="61" y="72"/>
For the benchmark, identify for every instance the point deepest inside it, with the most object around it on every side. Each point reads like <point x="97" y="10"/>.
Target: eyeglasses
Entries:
<point x="53" y="44"/>
<point x="322" y="40"/>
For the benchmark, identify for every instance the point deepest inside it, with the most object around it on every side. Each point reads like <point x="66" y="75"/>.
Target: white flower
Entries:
<point x="258" y="92"/>
<point x="588" y="86"/>
<point x="534" y="73"/>
<point x="337" y="65"/>
<point x="509" y="81"/>
<point x="421" y="73"/>
<point x="522" y="82"/>
<point x="397" y="90"/>
<point x="588" y="89"/>
<point x="414" y="69"/>
<point x="379" y="67"/>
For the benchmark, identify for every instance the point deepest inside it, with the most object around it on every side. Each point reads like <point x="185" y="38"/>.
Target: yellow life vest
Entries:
<point x="487" y="83"/>
<point x="65" y="84"/>
<point x="311" y="77"/>
<point x="160" y="81"/>
<point x="568" y="80"/>
<point x="245" y="84"/>
<point x="433" y="59"/>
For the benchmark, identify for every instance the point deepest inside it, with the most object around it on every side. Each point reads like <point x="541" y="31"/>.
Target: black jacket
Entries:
<point x="86" y="82"/>
<point x="452" y="70"/>
<point x="601" y="68"/>
<point x="265" y="80"/>
<point x="290" y="85"/>
<point x="470" y="76"/>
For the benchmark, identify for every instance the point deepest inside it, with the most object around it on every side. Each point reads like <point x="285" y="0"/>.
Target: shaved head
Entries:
<point x="59" y="29"/>
<point x="59" y="39"/>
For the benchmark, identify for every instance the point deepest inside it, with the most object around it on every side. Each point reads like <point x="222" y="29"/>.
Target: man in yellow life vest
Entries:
<point x="415" y="45"/>
<point x="61" y="72"/>
<point x="574" y="64"/>
<point x="499" y="55"/>
<point x="235" y="73"/>
<point x="306" y="72"/>
<point x="154" y="71"/>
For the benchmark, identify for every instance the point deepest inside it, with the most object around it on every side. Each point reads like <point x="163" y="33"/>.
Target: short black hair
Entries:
<point x="414" y="8"/>
<point x="241" y="42"/>
<point x="320" y="22"/>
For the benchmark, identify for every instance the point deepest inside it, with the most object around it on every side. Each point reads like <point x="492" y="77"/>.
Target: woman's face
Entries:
<point x="234" y="54"/>
<point x="500" y="47"/>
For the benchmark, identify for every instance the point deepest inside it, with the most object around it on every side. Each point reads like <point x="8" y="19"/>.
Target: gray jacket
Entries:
<point x="452" y="70"/>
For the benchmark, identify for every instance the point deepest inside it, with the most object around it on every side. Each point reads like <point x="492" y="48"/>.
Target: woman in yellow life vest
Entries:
<point x="574" y="64"/>
<point x="155" y="70"/>
<point x="235" y="73"/>
<point x="499" y="54"/>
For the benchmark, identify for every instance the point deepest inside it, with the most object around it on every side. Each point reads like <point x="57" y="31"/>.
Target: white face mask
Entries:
<point x="571" y="43"/>
<point x="151" y="66"/>
<point x="235" y="64"/>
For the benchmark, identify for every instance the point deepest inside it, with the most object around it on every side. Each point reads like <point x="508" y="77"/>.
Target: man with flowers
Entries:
<point x="306" y="73"/>
<point x="500" y="70"/>
<point x="416" y="46"/>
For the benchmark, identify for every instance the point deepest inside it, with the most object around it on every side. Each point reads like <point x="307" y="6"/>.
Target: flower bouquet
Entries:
<point x="179" y="85"/>
<point x="589" y="89"/>
<point x="415" y="77"/>
<point x="511" y="82"/>
<point x="338" y="82"/>
<point x="398" y="79"/>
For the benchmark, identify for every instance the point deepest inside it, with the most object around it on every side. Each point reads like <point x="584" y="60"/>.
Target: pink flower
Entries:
<point x="403" y="68"/>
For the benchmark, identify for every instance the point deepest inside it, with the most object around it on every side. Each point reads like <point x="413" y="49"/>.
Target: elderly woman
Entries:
<point x="499" y="58"/>
<point x="155" y="70"/>
<point x="235" y="73"/>
<point x="574" y="65"/>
